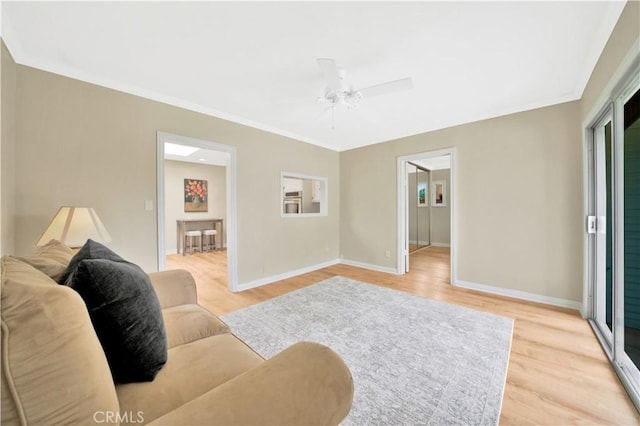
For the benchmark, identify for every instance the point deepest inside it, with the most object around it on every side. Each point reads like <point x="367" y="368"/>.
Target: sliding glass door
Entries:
<point x="615" y="229"/>
<point x="631" y="137"/>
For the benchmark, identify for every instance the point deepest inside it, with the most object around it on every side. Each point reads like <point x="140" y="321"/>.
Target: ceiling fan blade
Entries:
<point x="331" y="74"/>
<point x="388" y="87"/>
<point x="294" y="101"/>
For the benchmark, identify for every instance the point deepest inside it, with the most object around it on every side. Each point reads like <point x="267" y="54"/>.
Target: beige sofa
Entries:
<point x="55" y="372"/>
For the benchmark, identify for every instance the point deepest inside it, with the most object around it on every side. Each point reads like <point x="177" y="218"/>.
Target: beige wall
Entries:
<point x="519" y="187"/>
<point x="175" y="172"/>
<point x="441" y="216"/>
<point x="519" y="194"/>
<point x="625" y="38"/>
<point x="81" y="144"/>
<point x="7" y="153"/>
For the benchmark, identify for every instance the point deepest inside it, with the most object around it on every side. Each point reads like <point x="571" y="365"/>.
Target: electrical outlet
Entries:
<point x="387" y="253"/>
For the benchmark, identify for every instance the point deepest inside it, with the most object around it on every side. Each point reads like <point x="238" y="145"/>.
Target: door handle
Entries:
<point x="592" y="226"/>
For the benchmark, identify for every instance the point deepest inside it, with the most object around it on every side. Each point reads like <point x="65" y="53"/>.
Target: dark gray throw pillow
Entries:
<point x="126" y="315"/>
<point x="90" y="250"/>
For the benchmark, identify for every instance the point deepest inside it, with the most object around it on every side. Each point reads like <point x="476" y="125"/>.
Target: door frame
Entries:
<point x="230" y="226"/>
<point x="402" y="248"/>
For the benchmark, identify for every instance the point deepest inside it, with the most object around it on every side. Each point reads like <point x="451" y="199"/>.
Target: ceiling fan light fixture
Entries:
<point x="348" y="98"/>
<point x="335" y="92"/>
<point x="352" y="97"/>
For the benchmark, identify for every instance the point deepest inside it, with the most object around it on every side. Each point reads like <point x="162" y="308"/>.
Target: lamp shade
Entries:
<point x="73" y="226"/>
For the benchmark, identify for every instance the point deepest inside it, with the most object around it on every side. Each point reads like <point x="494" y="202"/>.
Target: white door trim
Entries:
<point x="402" y="208"/>
<point x="231" y="226"/>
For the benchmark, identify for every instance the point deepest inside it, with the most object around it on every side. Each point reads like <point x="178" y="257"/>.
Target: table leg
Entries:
<point x="221" y="235"/>
<point x="179" y="239"/>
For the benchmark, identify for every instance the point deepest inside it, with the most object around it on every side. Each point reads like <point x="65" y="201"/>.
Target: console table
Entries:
<point x="198" y="225"/>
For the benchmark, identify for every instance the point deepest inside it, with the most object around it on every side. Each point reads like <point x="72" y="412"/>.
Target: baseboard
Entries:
<point x="273" y="278"/>
<point x="369" y="266"/>
<point x="517" y="294"/>
<point x="436" y="244"/>
<point x="421" y="243"/>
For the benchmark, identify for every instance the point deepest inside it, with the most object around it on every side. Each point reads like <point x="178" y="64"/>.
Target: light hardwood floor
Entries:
<point x="558" y="374"/>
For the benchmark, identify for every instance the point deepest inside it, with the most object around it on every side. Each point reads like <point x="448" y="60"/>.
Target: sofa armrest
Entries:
<point x="174" y="287"/>
<point x="306" y="384"/>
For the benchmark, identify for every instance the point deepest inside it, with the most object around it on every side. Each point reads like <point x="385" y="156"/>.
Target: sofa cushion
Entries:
<point x="188" y="323"/>
<point x="191" y="370"/>
<point x="126" y="315"/>
<point x="90" y="250"/>
<point x="51" y="259"/>
<point x="53" y="368"/>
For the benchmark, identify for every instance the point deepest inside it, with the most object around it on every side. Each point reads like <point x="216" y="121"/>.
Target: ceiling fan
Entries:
<point x="338" y="92"/>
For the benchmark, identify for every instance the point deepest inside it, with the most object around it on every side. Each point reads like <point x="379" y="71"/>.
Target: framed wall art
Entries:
<point x="438" y="194"/>
<point x="196" y="194"/>
<point x="423" y="196"/>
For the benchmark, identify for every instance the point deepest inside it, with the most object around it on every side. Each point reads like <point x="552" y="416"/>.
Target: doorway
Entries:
<point x="426" y="206"/>
<point x="613" y="228"/>
<point x="198" y="160"/>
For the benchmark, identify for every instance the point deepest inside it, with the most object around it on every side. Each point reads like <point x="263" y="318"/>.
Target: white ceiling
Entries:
<point x="255" y="62"/>
<point x="434" y="163"/>
<point x="202" y="156"/>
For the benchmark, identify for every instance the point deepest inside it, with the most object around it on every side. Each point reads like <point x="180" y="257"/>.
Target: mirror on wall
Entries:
<point x="303" y="195"/>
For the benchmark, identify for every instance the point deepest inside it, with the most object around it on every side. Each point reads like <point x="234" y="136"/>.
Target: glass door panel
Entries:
<point x="608" y="228"/>
<point x="632" y="228"/>
<point x="603" y="168"/>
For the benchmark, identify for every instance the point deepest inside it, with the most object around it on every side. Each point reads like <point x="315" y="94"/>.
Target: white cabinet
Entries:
<point x="316" y="191"/>
<point x="292" y="184"/>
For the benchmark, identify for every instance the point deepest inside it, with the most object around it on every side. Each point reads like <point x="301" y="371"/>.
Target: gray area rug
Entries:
<point x="413" y="360"/>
